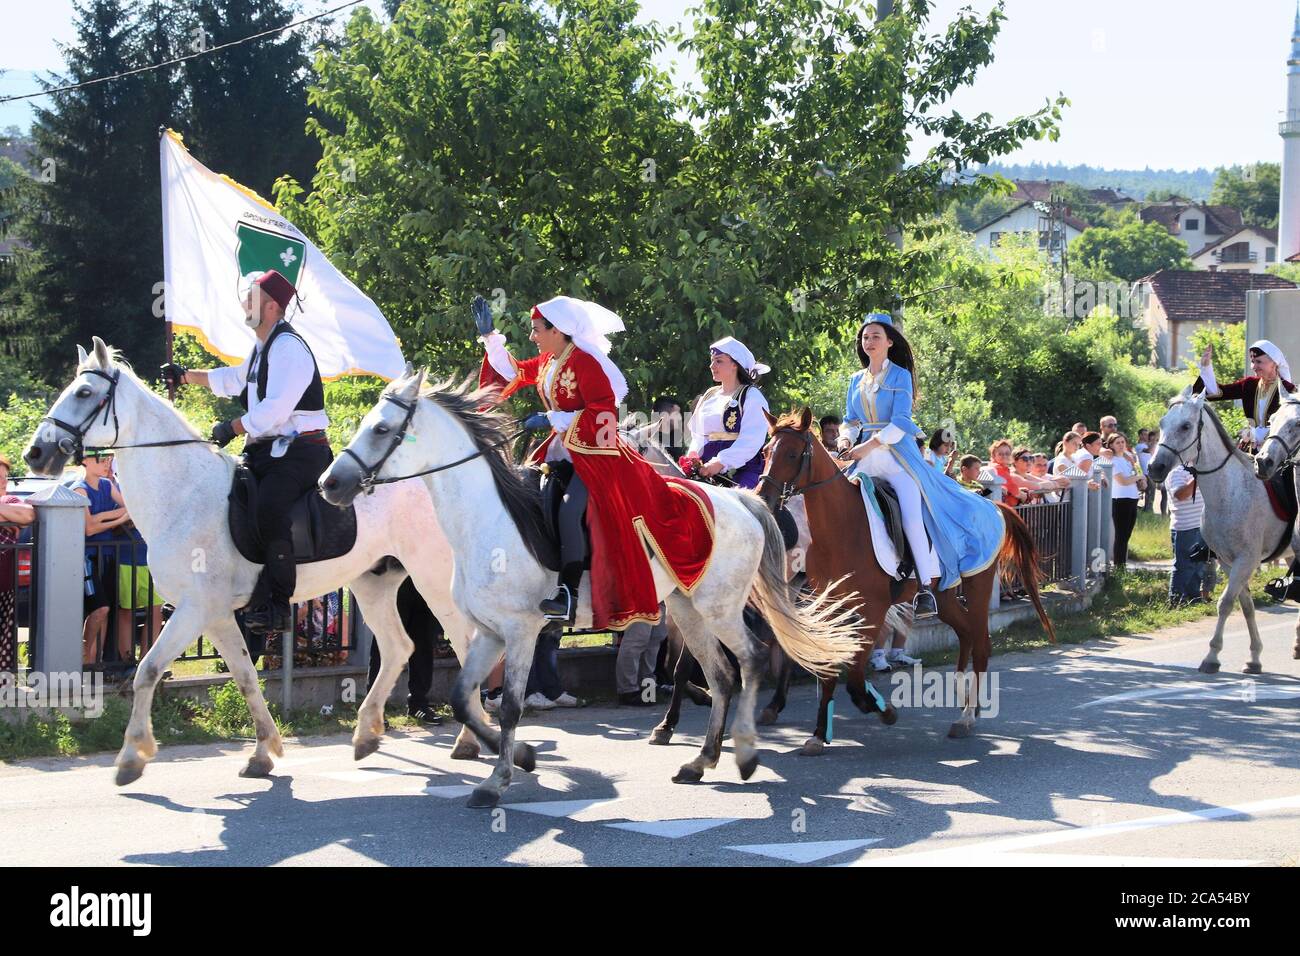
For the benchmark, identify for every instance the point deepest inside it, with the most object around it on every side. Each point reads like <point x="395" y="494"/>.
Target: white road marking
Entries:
<point x="559" y="808"/>
<point x="450" y="791"/>
<point x="807" y="852"/>
<point x="990" y="848"/>
<point x="1241" y="688"/>
<point x="673" y="829"/>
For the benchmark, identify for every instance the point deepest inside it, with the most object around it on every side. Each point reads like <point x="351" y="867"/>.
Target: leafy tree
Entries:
<point x="1229" y="345"/>
<point x="1130" y="251"/>
<point x="536" y="149"/>
<point x="1252" y="189"/>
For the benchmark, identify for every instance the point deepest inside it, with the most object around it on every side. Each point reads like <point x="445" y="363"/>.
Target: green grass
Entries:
<point x="1150" y="540"/>
<point x="176" y="720"/>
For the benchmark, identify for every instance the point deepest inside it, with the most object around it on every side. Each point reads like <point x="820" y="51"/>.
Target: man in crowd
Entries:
<point x="829" y="426"/>
<point x="1190" y="580"/>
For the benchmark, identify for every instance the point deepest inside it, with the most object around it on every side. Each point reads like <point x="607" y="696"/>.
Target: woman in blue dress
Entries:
<point x="966" y="530"/>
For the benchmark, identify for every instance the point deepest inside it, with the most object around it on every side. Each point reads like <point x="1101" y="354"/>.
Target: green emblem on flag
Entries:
<point x="260" y="250"/>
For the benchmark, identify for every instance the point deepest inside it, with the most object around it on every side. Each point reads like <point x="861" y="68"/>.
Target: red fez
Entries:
<point x="277" y="287"/>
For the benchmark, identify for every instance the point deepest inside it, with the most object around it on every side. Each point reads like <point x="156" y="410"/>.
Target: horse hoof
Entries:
<point x="129" y="773"/>
<point x="959" y="731"/>
<point x="465" y="751"/>
<point x="813" y="747"/>
<point x="525" y="757"/>
<point x="362" y="749"/>
<point x="889" y="716"/>
<point x="1209" y="667"/>
<point x="1295" y="653"/>
<point x="688" y="774"/>
<point x="660" y="737"/>
<point x="768" y="717"/>
<point x="483" y="798"/>
<point x="257" y="767"/>
<point x="1252" y="668"/>
<point x="747" y="767"/>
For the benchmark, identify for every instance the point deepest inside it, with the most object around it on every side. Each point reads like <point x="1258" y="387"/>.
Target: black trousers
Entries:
<point x="1123" y="512"/>
<point x="281" y="482"/>
<point x="424" y="630"/>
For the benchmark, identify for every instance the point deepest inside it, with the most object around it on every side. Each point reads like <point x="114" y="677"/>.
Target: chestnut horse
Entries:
<point x="841" y="557"/>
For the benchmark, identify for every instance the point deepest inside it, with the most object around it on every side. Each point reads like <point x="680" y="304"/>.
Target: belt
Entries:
<point x="722" y="436"/>
<point x="316" y="437"/>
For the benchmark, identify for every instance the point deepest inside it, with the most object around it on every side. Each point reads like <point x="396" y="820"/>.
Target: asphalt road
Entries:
<point x="1111" y="754"/>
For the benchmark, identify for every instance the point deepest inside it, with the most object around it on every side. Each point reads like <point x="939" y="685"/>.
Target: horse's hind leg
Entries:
<point x="783" y="668"/>
<point x="138" y="744"/>
<point x="708" y="652"/>
<point x="225" y="634"/>
<point x="663" y="733"/>
<point x="1238" y="578"/>
<point x="376" y="595"/>
<point x="1295" y="649"/>
<point x="742" y="643"/>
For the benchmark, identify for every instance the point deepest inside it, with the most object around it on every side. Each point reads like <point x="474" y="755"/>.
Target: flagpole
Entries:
<point x="167" y="325"/>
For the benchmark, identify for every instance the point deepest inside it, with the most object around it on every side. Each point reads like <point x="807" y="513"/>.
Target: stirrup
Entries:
<point x="560" y="605"/>
<point x="930" y="599"/>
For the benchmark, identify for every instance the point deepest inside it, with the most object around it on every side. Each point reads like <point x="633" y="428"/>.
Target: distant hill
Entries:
<point x="21" y="113"/>
<point x="1193" y="184"/>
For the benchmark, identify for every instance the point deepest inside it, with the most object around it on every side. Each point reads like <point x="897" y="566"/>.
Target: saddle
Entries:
<point x="1281" y="495"/>
<point x="892" y="511"/>
<point x="320" y="530"/>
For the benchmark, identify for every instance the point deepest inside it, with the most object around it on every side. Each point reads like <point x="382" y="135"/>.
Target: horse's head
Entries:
<point x="1180" y="434"/>
<point x="1283" y="439"/>
<point x="84" y="414"/>
<point x="788" y="467"/>
<point x="383" y="445"/>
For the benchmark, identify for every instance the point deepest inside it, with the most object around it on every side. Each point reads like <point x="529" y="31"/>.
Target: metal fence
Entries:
<point x="1051" y="525"/>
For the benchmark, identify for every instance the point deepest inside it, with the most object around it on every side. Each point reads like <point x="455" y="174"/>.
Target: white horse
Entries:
<point x="1279" y="449"/>
<point x="492" y="518"/>
<point x="1239" y="524"/>
<point x="176" y="488"/>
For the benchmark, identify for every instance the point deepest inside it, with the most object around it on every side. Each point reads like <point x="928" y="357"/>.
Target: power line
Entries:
<point x="182" y="59"/>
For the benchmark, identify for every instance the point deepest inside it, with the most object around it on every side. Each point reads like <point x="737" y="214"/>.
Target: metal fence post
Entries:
<point x="286" y="665"/>
<point x="58" y="579"/>
<point x="1106" y="521"/>
<point x="1078" y="526"/>
<point x="1094" y="512"/>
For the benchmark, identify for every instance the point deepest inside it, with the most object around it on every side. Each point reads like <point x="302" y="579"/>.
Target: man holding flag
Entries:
<point x="279" y="386"/>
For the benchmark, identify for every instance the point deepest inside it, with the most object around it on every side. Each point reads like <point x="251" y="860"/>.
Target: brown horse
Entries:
<point x="841" y="558"/>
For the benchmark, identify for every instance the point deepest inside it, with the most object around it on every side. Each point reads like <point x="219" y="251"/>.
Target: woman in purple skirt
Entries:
<point x="727" y="428"/>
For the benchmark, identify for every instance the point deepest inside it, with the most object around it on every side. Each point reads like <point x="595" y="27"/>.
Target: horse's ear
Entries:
<point x="1187" y="393"/>
<point x="410" y="370"/>
<point x="101" y="353"/>
<point x="82" y="356"/>
<point x="805" y="419"/>
<point x="771" y="420"/>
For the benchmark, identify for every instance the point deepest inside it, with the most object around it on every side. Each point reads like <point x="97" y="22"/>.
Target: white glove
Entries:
<point x="561" y="421"/>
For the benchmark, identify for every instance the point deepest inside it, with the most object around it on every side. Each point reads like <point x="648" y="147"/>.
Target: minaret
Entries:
<point x="1288" y="233"/>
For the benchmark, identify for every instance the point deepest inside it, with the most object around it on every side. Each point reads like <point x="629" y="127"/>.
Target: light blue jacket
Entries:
<point x="966" y="529"/>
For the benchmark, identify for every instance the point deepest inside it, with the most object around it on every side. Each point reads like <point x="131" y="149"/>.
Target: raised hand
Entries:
<point x="482" y="313"/>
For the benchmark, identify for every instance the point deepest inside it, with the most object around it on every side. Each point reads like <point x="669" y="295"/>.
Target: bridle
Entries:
<point x="370" y="473"/>
<point x="109" y="405"/>
<point x="1289" y="449"/>
<point x="1178" y="453"/>
<point x="791" y="489"/>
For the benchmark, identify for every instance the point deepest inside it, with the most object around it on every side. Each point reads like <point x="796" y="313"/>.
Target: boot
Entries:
<point x="563" y="604"/>
<point x="281" y="575"/>
<point x="924" y="603"/>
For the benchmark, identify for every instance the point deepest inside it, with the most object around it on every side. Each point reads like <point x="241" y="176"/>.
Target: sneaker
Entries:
<point x="900" y="656"/>
<point x="879" y="663"/>
<point x="567" y="700"/>
<point x="425" y="714"/>
<point x="633" y="698"/>
<point x="538" y="701"/>
<point x="492" y="702"/>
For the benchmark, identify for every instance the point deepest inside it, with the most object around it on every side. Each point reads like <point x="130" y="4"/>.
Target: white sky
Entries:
<point x="1159" y="83"/>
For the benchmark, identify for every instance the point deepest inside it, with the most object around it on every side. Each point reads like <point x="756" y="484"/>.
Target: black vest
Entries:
<point x="313" y="397"/>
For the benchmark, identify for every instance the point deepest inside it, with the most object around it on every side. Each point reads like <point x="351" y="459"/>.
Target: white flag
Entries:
<point x="216" y="232"/>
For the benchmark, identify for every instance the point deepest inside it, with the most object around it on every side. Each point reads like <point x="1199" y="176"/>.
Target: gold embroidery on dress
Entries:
<point x="567" y="381"/>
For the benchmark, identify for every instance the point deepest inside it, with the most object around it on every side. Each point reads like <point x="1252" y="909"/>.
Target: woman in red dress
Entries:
<point x="629" y="507"/>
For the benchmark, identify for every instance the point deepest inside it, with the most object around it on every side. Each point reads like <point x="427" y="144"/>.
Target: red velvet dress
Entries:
<point x="630" y="506"/>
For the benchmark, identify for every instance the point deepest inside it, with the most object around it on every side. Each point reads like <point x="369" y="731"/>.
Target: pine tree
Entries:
<point x="248" y="104"/>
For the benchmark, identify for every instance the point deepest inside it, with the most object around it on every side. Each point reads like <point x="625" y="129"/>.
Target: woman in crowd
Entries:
<point x="106" y="512"/>
<point x="727" y="427"/>
<point x="942" y="452"/>
<point x="1124" y="493"/>
<point x="1001" y="456"/>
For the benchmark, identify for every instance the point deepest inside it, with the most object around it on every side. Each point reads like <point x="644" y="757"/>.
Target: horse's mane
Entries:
<point x="489" y="430"/>
<point x="123" y="366"/>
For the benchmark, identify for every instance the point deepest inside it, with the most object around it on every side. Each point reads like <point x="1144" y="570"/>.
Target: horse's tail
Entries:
<point x="1019" y="558"/>
<point x="819" y="636"/>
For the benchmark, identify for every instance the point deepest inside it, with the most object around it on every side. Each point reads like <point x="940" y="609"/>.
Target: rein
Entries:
<point x="791" y="489"/>
<point x="370" y="473"/>
<point x="109" y="405"/>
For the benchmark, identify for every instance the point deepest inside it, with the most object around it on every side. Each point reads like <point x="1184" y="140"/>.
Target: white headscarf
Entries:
<point x="590" y="326"/>
<point x="741" y="355"/>
<point x="1275" y="353"/>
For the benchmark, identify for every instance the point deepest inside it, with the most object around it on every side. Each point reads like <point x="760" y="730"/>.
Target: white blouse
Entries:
<point x="706" y="423"/>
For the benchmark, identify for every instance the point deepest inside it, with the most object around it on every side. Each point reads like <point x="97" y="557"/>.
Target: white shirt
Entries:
<point x="1183" y="515"/>
<point x="707" y="420"/>
<point x="1123" y="468"/>
<point x="287" y="378"/>
<point x="1144" y="455"/>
